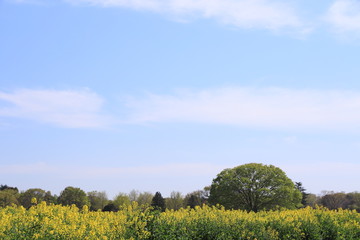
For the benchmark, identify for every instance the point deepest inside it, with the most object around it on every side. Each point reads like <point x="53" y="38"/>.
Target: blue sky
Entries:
<point x="159" y="95"/>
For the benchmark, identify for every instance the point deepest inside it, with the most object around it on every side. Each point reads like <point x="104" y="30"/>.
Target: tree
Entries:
<point x="254" y="187"/>
<point x="145" y="198"/>
<point x="25" y="198"/>
<point x="134" y="195"/>
<point x="353" y="200"/>
<point x="72" y="195"/>
<point x="6" y="187"/>
<point x="175" y="201"/>
<point x="311" y="200"/>
<point x="8" y="197"/>
<point x="110" y="207"/>
<point x="98" y="200"/>
<point x="197" y="198"/>
<point x="158" y="202"/>
<point x="333" y="200"/>
<point x="193" y="201"/>
<point x="122" y="199"/>
<point x="304" y="194"/>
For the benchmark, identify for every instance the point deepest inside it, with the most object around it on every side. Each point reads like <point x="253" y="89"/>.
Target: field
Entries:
<point x="133" y="222"/>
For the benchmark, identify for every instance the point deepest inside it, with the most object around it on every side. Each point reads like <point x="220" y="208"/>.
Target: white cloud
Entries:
<point x="268" y="14"/>
<point x="73" y="109"/>
<point x="251" y="107"/>
<point x="344" y="15"/>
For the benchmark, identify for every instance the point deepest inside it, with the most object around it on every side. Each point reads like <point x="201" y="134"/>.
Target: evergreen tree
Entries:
<point x="158" y="202"/>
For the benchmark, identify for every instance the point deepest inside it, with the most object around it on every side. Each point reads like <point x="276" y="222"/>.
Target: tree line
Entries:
<point x="250" y="187"/>
<point x="98" y="200"/>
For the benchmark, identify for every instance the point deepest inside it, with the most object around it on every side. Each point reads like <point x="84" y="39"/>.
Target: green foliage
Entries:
<point x="158" y="202"/>
<point x="110" y="207"/>
<point x="6" y="187"/>
<point x="121" y="200"/>
<point x="8" y="197"/>
<point x="197" y="198"/>
<point x="311" y="200"/>
<point x="353" y="200"/>
<point x="25" y="198"/>
<point x="193" y="201"/>
<point x="72" y="195"/>
<point x="145" y="198"/>
<point x="254" y="187"/>
<point x="98" y="200"/>
<point x="175" y="201"/>
<point x="142" y="198"/>
<point x="304" y="194"/>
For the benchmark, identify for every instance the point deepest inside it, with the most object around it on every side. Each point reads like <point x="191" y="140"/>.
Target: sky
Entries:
<point x="162" y="95"/>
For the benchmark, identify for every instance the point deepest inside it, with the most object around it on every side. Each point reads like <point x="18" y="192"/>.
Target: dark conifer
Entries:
<point x="158" y="202"/>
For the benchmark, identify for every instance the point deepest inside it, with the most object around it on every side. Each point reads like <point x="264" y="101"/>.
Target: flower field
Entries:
<point x="133" y="222"/>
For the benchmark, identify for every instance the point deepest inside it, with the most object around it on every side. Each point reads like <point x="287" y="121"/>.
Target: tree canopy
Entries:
<point x="98" y="200"/>
<point x="72" y="195"/>
<point x="254" y="187"/>
<point x="26" y="197"/>
<point x="158" y="202"/>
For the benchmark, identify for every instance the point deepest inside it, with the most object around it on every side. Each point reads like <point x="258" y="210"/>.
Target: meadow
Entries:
<point x="44" y="221"/>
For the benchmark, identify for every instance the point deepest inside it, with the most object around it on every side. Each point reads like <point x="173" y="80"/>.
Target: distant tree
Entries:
<point x="6" y="187"/>
<point x="134" y="195"/>
<point x="145" y="198"/>
<point x="25" y="198"/>
<point x="110" y="207"/>
<point x="254" y="187"/>
<point x="311" y="200"/>
<point x="333" y="200"/>
<point x="8" y="197"/>
<point x="98" y="200"/>
<point x="193" y="201"/>
<point x="122" y="199"/>
<point x="72" y="195"/>
<point x="304" y="194"/>
<point x="175" y="201"/>
<point x="197" y="198"/>
<point x="158" y="202"/>
<point x="353" y="200"/>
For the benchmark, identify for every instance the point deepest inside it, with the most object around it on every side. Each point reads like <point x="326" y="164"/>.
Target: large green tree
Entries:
<point x="72" y="195"/>
<point x="254" y="187"/>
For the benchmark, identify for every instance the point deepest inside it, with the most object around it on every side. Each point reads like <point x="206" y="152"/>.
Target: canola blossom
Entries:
<point x="44" y="221"/>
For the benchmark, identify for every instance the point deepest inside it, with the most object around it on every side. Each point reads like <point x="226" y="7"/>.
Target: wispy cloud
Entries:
<point x="268" y="14"/>
<point x="72" y="109"/>
<point x="344" y="16"/>
<point x="252" y="107"/>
